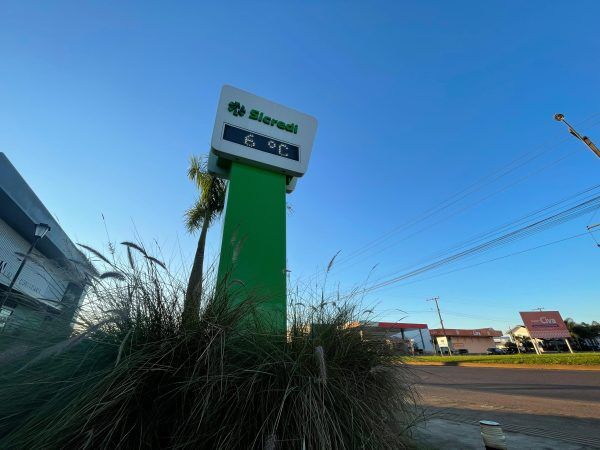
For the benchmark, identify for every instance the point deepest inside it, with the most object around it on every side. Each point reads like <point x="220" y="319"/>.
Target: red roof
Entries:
<point x="402" y="326"/>
<point x="480" y="332"/>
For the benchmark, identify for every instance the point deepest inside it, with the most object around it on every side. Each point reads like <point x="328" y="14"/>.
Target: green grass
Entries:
<point x="576" y="359"/>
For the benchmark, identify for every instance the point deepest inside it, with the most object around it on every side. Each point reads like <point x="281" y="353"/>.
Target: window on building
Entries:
<point x="5" y="313"/>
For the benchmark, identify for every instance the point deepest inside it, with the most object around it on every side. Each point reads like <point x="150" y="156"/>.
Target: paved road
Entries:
<point x="562" y="404"/>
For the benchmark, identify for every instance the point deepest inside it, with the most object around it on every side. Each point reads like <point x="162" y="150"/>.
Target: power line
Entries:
<point x="506" y="226"/>
<point x="498" y="174"/>
<point x="520" y="233"/>
<point x="537" y="247"/>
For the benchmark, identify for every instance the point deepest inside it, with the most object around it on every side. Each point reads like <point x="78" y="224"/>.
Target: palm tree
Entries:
<point x="207" y="207"/>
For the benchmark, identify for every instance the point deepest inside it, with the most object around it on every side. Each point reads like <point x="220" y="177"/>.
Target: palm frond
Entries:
<point x="194" y="217"/>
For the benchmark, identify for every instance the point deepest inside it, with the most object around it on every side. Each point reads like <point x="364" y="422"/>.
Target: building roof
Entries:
<point x="479" y="332"/>
<point x="398" y="325"/>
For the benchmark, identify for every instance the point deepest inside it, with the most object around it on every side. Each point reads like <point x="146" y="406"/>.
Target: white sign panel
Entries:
<point x="262" y="133"/>
<point x="442" y="341"/>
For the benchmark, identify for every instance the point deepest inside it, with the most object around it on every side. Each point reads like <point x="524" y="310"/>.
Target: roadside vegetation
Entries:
<point x="575" y="359"/>
<point x="134" y="375"/>
<point x="155" y="360"/>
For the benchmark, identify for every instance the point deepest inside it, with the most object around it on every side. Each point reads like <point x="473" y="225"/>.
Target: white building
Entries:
<point x="52" y="281"/>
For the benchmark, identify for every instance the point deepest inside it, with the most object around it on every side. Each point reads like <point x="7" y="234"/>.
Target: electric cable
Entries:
<point x="480" y="237"/>
<point x="520" y="233"/>
<point x="494" y="176"/>
<point x="537" y="247"/>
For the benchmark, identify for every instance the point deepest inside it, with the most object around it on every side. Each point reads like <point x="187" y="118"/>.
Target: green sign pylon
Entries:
<point x="253" y="257"/>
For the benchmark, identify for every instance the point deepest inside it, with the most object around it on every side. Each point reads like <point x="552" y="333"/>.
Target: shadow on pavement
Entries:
<point x="581" y="431"/>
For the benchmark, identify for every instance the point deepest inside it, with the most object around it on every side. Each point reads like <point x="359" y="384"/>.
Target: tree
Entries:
<point x="583" y="332"/>
<point x="207" y="207"/>
<point x="511" y="347"/>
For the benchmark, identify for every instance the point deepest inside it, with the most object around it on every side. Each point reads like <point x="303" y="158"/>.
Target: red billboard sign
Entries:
<point x="545" y="324"/>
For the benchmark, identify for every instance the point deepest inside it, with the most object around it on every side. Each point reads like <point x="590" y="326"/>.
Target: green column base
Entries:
<point x="252" y="260"/>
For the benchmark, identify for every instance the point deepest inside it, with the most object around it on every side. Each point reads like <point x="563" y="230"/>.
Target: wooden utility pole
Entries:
<point x="435" y="299"/>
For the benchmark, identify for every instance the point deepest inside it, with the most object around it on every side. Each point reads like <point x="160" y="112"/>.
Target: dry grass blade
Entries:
<point x="331" y="261"/>
<point x="135" y="246"/>
<point x="320" y="355"/>
<point x="130" y="259"/>
<point x="96" y="253"/>
<point x="156" y="261"/>
<point x="122" y="346"/>
<point x="112" y="274"/>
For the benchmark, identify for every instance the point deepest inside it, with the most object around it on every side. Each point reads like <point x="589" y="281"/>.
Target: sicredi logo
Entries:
<point x="239" y="110"/>
<point x="256" y="131"/>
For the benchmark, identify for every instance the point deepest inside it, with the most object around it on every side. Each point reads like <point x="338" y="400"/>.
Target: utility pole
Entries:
<point x="586" y="140"/>
<point x="435" y="299"/>
<point x="540" y="308"/>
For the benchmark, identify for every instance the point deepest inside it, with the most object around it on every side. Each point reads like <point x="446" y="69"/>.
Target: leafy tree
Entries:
<point x="582" y="332"/>
<point x="205" y="210"/>
<point x="511" y="347"/>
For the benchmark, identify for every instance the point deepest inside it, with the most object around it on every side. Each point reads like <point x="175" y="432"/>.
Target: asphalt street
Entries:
<point x="561" y="404"/>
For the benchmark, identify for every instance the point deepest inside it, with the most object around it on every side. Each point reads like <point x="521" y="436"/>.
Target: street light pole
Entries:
<point x="40" y="231"/>
<point x="586" y="140"/>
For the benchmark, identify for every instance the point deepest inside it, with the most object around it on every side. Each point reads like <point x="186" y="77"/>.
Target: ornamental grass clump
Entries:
<point x="131" y="376"/>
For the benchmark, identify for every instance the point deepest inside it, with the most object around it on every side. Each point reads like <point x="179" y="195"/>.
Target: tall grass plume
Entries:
<point x="131" y="376"/>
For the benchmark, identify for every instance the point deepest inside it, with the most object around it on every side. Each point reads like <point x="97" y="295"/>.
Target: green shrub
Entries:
<point x="131" y="376"/>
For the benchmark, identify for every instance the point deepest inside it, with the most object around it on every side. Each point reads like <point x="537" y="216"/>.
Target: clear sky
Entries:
<point x="102" y="103"/>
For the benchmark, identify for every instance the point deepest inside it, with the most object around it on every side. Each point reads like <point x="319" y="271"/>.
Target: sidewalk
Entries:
<point x="442" y="434"/>
<point x="506" y="366"/>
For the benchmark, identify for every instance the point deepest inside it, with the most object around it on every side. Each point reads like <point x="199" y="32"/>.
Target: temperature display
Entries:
<point x="260" y="142"/>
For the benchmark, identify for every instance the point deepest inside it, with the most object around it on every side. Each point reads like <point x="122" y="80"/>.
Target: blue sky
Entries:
<point x="101" y="104"/>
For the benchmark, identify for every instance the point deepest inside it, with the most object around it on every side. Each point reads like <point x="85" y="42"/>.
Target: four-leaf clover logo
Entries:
<point x="237" y="109"/>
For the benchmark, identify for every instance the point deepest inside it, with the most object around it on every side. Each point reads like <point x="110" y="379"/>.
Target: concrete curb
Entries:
<point x="506" y="366"/>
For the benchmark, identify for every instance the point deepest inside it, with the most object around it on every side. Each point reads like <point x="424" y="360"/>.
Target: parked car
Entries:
<point x="495" y="351"/>
<point x="462" y="351"/>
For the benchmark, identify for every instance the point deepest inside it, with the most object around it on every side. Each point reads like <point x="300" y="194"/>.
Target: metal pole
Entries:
<point x="586" y="140"/>
<point x="435" y="299"/>
<point x="537" y="350"/>
<point x="14" y="280"/>
<point x="569" y="345"/>
<point x="422" y="340"/>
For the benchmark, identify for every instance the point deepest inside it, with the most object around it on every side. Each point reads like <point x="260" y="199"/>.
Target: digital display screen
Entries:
<point x="260" y="142"/>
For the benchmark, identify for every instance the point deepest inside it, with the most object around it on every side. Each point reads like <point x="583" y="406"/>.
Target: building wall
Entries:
<point x="522" y="332"/>
<point x="474" y="344"/>
<point x="41" y="278"/>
